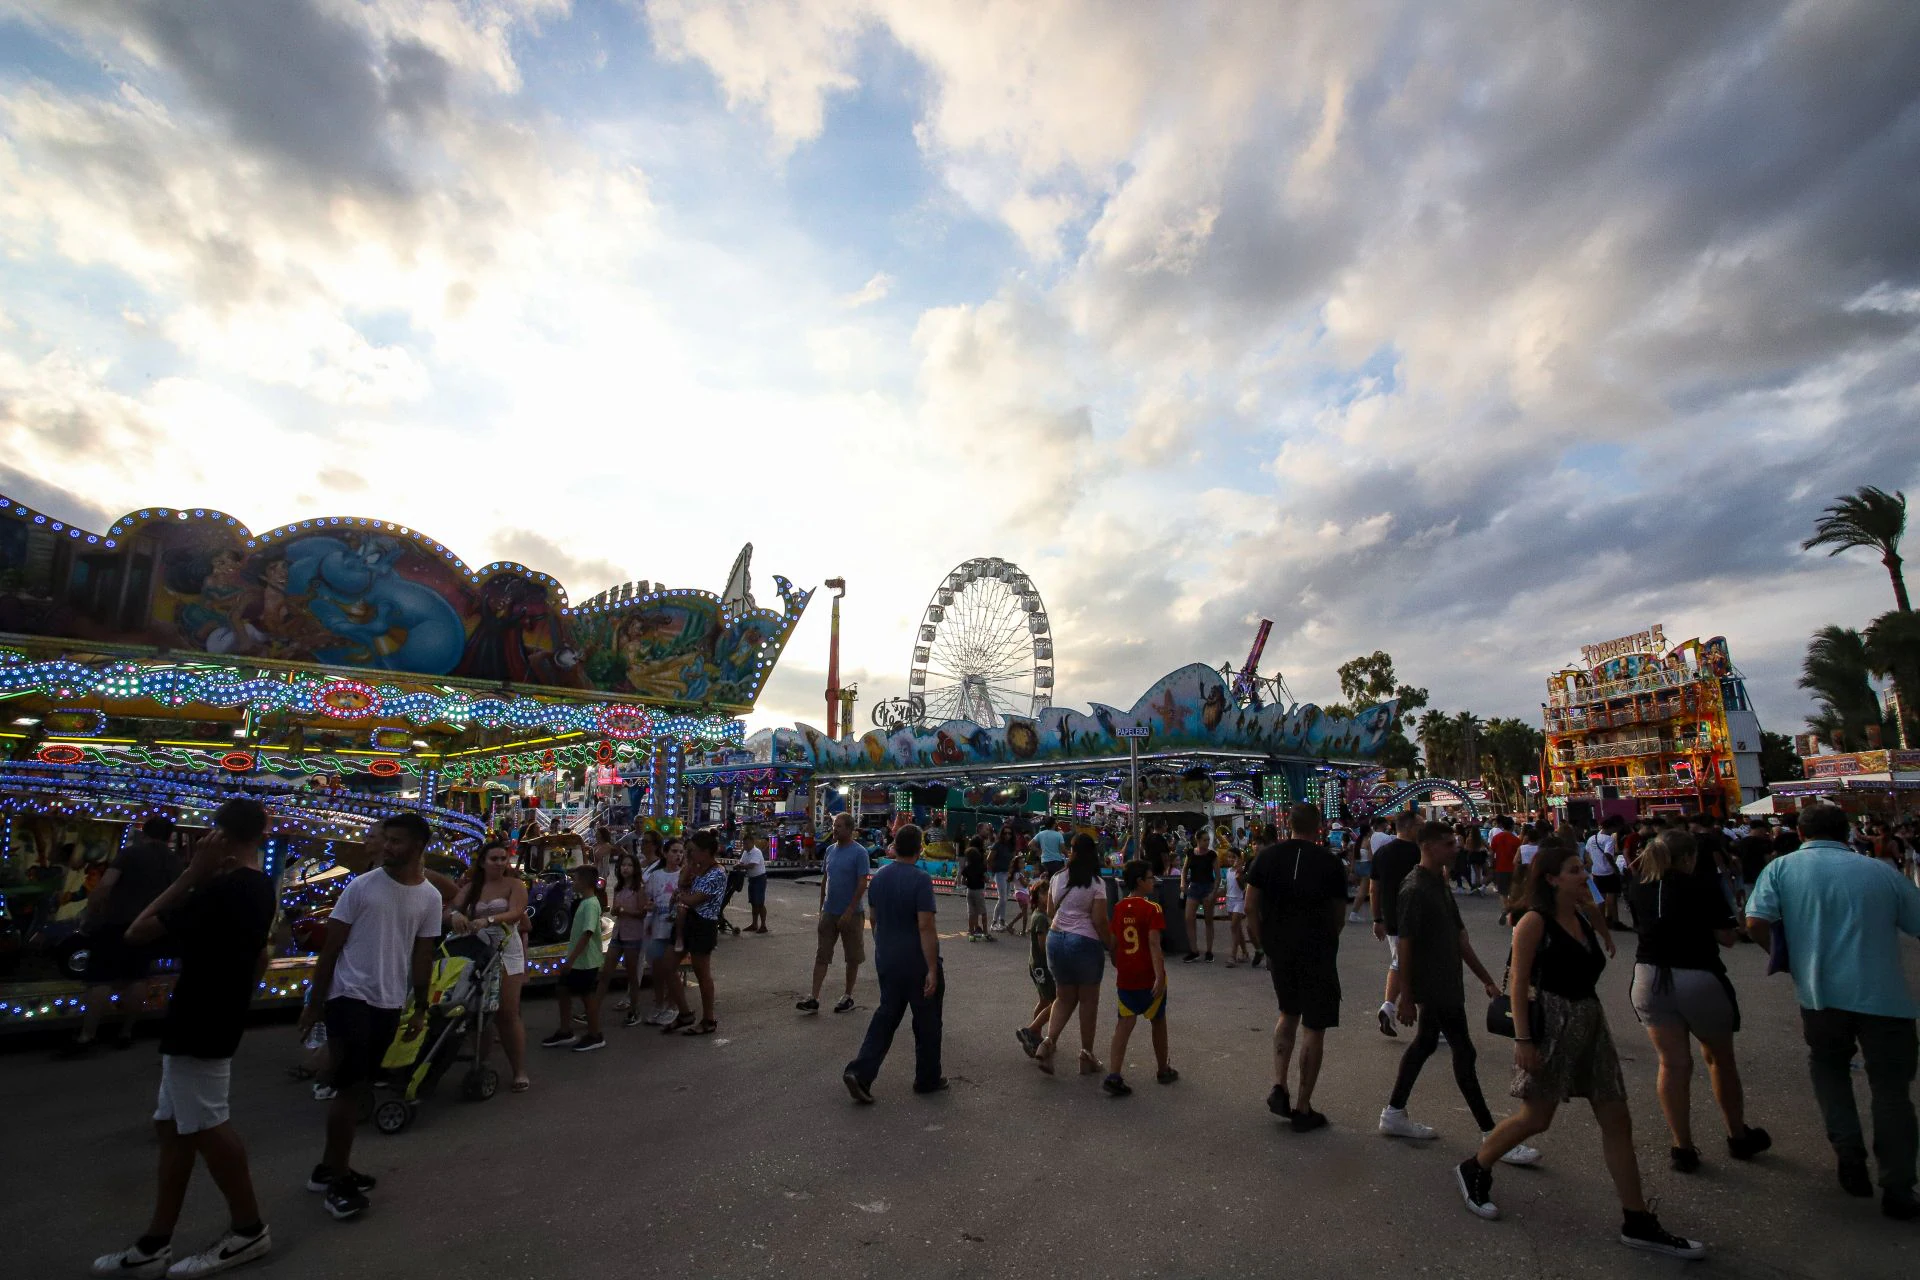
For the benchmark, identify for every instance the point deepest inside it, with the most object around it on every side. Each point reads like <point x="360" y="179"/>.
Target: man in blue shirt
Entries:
<point x="1842" y="915"/>
<point x="1052" y="845"/>
<point x="843" y="918"/>
<point x="906" y="954"/>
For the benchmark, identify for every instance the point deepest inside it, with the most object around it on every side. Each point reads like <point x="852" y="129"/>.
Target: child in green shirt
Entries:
<point x="580" y="972"/>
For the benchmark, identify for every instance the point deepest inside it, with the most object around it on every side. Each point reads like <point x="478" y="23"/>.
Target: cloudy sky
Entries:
<point x="1471" y="331"/>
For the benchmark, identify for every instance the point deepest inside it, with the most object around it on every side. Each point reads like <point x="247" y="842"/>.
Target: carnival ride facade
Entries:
<point x="340" y="670"/>
<point x="1204" y="753"/>
<point x="1641" y="726"/>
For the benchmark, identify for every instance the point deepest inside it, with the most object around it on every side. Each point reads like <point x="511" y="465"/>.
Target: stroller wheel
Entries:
<point x="480" y="1084"/>
<point x="391" y="1116"/>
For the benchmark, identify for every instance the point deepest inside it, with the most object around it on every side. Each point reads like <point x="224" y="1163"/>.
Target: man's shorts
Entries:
<point x="1503" y="882"/>
<point x="1393" y="954"/>
<point x="1310" y="992"/>
<point x="357" y="1038"/>
<point x="976" y="900"/>
<point x="193" y="1092"/>
<point x="1610" y="884"/>
<point x="851" y="934"/>
<point x="580" y="982"/>
<point x="756" y="891"/>
<point x="1142" y="1004"/>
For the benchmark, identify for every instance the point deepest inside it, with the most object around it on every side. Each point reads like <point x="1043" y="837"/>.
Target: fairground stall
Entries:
<point x="340" y="670"/>
<point x="1200" y="755"/>
<point x="1642" y="727"/>
<point x="1878" y="784"/>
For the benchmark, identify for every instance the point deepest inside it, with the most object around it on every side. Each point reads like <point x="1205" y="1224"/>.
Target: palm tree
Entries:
<point x="1438" y="741"/>
<point x="1868" y="517"/>
<point x="1837" y="672"/>
<point x="1892" y="649"/>
<point x="1468" y="726"/>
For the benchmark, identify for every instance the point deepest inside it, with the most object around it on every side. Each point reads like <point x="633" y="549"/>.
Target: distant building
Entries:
<point x="1638" y="727"/>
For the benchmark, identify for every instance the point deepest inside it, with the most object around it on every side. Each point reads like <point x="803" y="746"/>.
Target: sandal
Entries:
<point x="1043" y="1056"/>
<point x="520" y="1085"/>
<point x="1089" y="1065"/>
<point x="706" y="1028"/>
<point x="684" y="1020"/>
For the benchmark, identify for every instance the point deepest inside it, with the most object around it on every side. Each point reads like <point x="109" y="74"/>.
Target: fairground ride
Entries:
<point x="339" y="670"/>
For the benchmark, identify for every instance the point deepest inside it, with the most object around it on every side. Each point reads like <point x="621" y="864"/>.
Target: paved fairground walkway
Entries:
<point x="740" y="1154"/>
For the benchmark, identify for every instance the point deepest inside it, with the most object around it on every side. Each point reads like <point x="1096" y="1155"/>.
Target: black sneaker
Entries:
<point x="1029" y="1042"/>
<point x="559" y="1040"/>
<point x="1166" y="1075"/>
<point x="809" y="1005"/>
<point x="1749" y="1144"/>
<point x="1900" y="1206"/>
<point x="1386" y="1024"/>
<point x="1684" y="1159"/>
<point x="1116" y="1086"/>
<point x="844" y="1005"/>
<point x="1193" y="957"/>
<point x="1854" y="1178"/>
<point x="938" y="1086"/>
<point x="1258" y="956"/>
<point x="1306" y="1120"/>
<point x="1476" y="1188"/>
<point x="1208" y="957"/>
<point x="859" y="1091"/>
<point x="323" y="1178"/>
<point x="1643" y="1231"/>
<point x="631" y="1020"/>
<point x="344" y="1202"/>
<point x="587" y="1044"/>
<point x="1279" y="1103"/>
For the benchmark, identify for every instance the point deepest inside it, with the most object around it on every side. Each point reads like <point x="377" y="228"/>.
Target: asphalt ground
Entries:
<point x="740" y="1154"/>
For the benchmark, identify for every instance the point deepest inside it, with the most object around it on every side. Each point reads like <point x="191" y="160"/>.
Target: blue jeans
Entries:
<point x="899" y="992"/>
<point x="1004" y="894"/>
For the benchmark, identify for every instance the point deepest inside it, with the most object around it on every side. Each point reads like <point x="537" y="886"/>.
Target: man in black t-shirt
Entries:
<point x="1391" y="863"/>
<point x="219" y="912"/>
<point x="1297" y="904"/>
<point x="973" y="878"/>
<point x="114" y="966"/>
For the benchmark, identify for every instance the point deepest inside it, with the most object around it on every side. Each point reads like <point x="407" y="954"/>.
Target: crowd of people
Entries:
<point x="1828" y="900"/>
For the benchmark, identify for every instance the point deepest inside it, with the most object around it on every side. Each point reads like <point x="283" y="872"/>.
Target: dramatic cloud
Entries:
<point x="1472" y="331"/>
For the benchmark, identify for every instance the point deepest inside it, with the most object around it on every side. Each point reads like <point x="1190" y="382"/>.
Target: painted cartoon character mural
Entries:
<point x="379" y="618"/>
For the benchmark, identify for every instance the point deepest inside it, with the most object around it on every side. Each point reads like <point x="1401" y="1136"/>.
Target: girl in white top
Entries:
<point x="495" y="899"/>
<point x="1236" y="907"/>
<point x="661" y="882"/>
<point x="1076" y="952"/>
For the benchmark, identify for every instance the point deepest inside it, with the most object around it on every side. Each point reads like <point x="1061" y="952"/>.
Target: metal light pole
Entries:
<point x="839" y="586"/>
<point x="1133" y="734"/>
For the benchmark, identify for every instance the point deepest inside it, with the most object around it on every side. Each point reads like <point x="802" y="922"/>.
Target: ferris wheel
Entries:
<point x="984" y="650"/>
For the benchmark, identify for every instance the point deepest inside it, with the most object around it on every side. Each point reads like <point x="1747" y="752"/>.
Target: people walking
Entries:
<point x="1842" y="916"/>
<point x="1236" y="876"/>
<point x="1391" y="864"/>
<point x="495" y="901"/>
<point x="1563" y="1048"/>
<point x="1076" y="952"/>
<point x="1681" y="992"/>
<point x="1504" y="853"/>
<point x="1296" y="905"/>
<point x="380" y="940"/>
<point x="1139" y="976"/>
<point x="1603" y="860"/>
<point x="1198" y="884"/>
<point x="663" y="925"/>
<point x="1000" y="868"/>
<point x="219" y="913"/>
<point x="629" y="942"/>
<point x="1433" y="944"/>
<point x="973" y="877"/>
<point x="906" y="957"/>
<point x="116" y="966"/>
<point x="1038" y="970"/>
<point x="846" y="872"/>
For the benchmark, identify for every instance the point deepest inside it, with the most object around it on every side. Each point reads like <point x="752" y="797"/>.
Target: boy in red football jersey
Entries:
<point x="1140" y="972"/>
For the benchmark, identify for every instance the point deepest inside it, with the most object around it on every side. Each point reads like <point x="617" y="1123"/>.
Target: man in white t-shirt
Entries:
<point x="380" y="934"/>
<point x="753" y="865"/>
<point x="1603" y="860"/>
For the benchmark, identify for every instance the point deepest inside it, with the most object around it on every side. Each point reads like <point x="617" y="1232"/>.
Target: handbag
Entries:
<point x="1500" y="1012"/>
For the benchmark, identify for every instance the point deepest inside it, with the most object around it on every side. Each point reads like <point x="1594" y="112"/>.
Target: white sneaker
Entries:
<point x="1522" y="1155"/>
<point x="1353" y="917"/>
<point x="662" y="1018"/>
<point x="228" y="1251"/>
<point x="1395" y="1123"/>
<point x="132" y="1263"/>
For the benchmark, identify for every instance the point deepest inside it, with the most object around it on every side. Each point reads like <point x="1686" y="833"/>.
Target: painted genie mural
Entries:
<point x="372" y="595"/>
<point x="1188" y="709"/>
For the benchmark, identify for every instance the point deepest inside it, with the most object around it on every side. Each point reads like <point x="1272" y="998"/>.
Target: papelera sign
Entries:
<point x="1132" y="731"/>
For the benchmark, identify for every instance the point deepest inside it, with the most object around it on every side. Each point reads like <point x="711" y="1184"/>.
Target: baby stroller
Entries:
<point x="456" y="1019"/>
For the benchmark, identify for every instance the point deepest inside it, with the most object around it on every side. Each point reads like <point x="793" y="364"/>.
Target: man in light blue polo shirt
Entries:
<point x="843" y="914"/>
<point x="1842" y="915"/>
<point x="1051" y="843"/>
